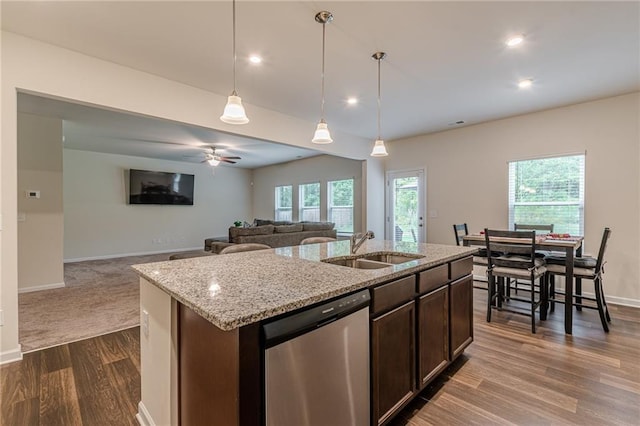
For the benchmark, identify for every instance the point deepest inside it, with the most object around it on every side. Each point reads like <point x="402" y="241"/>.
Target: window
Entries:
<point x="310" y="202"/>
<point x="283" y="202"/>
<point x="548" y="191"/>
<point x="340" y="204"/>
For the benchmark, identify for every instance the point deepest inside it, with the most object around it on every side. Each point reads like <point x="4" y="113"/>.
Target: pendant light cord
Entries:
<point x="323" y="41"/>
<point x="379" y="98"/>
<point x="234" y="48"/>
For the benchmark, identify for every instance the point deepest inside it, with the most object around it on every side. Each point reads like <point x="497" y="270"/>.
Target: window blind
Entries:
<point x="548" y="191"/>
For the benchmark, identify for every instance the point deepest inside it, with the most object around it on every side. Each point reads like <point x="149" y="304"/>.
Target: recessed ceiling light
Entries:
<point x="515" y="40"/>
<point x="255" y="59"/>
<point x="352" y="100"/>
<point x="524" y="84"/>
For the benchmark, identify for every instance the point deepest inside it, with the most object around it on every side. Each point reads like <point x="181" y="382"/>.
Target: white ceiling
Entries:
<point x="446" y="60"/>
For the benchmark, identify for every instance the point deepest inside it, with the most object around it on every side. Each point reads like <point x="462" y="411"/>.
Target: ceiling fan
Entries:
<point x="214" y="159"/>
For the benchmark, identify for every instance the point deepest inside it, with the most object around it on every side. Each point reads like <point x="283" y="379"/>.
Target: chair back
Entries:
<point x="603" y="246"/>
<point x="538" y="228"/>
<point x="237" y="248"/>
<point x="315" y="240"/>
<point x="460" y="231"/>
<point x="521" y="244"/>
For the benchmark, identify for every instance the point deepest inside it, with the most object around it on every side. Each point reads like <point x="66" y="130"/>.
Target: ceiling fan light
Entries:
<point x="213" y="161"/>
<point x="379" y="149"/>
<point x="234" y="111"/>
<point x="322" y="135"/>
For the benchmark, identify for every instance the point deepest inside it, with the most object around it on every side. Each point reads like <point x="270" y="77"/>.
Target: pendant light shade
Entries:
<point x="379" y="149"/>
<point x="322" y="135"/>
<point x="234" y="111"/>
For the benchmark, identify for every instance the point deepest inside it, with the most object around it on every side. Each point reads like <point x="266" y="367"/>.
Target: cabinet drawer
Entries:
<point x="461" y="267"/>
<point x="392" y="294"/>
<point x="433" y="278"/>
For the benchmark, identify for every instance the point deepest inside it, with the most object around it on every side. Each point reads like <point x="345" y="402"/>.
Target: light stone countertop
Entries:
<point x="238" y="289"/>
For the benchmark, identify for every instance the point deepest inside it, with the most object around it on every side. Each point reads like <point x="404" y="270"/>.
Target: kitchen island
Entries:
<point x="201" y="348"/>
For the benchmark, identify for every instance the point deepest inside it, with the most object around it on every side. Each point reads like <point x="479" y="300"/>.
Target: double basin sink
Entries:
<point x="373" y="260"/>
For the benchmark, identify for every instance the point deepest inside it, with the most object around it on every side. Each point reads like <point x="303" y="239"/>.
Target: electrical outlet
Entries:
<point x="145" y="323"/>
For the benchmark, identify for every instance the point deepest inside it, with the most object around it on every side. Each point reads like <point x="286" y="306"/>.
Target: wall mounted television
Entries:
<point x="149" y="187"/>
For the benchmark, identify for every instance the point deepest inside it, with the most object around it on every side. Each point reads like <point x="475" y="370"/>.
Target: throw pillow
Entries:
<point x="318" y="226"/>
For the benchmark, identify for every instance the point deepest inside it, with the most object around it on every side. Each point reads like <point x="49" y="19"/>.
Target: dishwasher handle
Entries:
<point x="308" y="319"/>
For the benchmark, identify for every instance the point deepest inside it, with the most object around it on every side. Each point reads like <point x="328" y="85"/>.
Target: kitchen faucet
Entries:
<point x="358" y="238"/>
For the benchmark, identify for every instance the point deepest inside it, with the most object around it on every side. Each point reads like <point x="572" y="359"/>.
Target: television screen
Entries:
<point x="147" y="187"/>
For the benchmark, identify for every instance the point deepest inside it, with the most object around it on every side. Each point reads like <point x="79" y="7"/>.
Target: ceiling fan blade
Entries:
<point x="232" y="158"/>
<point x="227" y="161"/>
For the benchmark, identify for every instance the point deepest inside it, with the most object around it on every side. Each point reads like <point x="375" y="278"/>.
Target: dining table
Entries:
<point x="572" y="247"/>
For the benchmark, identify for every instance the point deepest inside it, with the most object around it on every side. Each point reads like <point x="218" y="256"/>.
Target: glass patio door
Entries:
<point x="406" y="206"/>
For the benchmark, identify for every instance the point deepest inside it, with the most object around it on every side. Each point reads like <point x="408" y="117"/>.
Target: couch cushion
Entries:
<point x="255" y="230"/>
<point x="297" y="227"/>
<point x="317" y="226"/>
<point x="260" y="222"/>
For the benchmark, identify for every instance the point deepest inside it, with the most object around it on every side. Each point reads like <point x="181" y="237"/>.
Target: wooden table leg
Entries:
<point x="578" y="291"/>
<point x="568" y="291"/>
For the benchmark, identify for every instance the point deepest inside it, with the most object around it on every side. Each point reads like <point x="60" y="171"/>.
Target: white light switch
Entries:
<point x="32" y="193"/>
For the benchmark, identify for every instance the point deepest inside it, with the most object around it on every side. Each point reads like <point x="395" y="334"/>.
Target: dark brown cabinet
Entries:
<point x="392" y="361"/>
<point x="461" y="296"/>
<point x="433" y="334"/>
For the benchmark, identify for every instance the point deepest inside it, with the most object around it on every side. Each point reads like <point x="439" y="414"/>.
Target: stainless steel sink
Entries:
<point x="374" y="261"/>
<point x="357" y="263"/>
<point x="393" y="258"/>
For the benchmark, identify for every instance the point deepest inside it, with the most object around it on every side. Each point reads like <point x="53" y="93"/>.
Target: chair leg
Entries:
<point x="577" y="293"/>
<point x="544" y="299"/>
<point x="490" y="291"/>
<point x="598" y="288"/>
<point x="533" y="308"/>
<point x="552" y="291"/>
<point x="604" y="301"/>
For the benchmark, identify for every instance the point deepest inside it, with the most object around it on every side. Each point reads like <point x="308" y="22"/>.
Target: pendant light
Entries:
<point x="234" y="111"/>
<point x="322" y="135"/>
<point x="378" y="149"/>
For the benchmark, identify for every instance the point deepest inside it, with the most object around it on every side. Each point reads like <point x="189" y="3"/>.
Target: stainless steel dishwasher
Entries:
<point x="317" y="365"/>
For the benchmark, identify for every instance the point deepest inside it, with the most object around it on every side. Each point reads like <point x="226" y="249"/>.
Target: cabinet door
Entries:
<point x="392" y="360"/>
<point x="433" y="334"/>
<point x="461" y="297"/>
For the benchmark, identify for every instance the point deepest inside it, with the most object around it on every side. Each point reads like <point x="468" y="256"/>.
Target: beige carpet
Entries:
<point x="101" y="296"/>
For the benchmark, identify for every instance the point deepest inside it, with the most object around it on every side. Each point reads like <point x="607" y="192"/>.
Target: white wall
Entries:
<point x="467" y="176"/>
<point x="40" y="230"/>
<point x="35" y="67"/>
<point x="322" y="168"/>
<point x="99" y="221"/>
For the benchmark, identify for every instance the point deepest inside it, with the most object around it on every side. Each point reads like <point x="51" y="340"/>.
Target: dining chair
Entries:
<point x="584" y="268"/>
<point x="460" y="230"/>
<point x="519" y="261"/>
<point x="315" y="240"/>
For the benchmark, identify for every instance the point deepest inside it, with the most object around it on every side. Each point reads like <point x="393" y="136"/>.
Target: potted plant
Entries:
<point x="238" y="223"/>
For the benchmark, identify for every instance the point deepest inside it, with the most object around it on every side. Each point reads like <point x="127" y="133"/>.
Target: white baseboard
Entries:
<point x="41" y="287"/>
<point x="143" y="253"/>
<point x="613" y="300"/>
<point x="143" y="416"/>
<point x="11" y="356"/>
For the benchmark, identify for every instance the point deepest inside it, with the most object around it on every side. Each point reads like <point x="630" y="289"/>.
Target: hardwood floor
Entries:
<point x="507" y="376"/>
<point x="90" y="382"/>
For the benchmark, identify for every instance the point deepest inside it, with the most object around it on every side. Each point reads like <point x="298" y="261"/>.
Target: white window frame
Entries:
<point x="301" y="207"/>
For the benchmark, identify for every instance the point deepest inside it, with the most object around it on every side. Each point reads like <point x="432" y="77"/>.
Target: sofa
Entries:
<point x="274" y="233"/>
